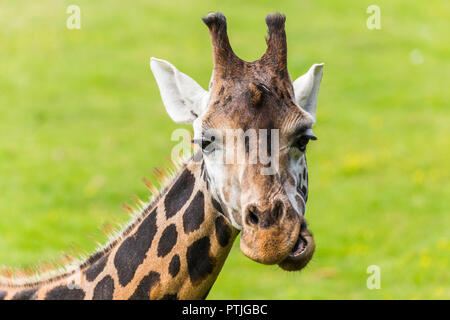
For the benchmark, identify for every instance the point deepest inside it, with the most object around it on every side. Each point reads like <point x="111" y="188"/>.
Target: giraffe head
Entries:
<point x="252" y="127"/>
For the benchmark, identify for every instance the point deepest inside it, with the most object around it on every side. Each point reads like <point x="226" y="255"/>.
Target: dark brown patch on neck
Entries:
<point x="194" y="215"/>
<point x="147" y="283"/>
<point x="200" y="263"/>
<point x="179" y="194"/>
<point x="133" y="250"/>
<point x="28" y="294"/>
<point x="104" y="290"/>
<point x="223" y="231"/>
<point x="174" y="266"/>
<point x="62" y="292"/>
<point x="94" y="270"/>
<point x="167" y="241"/>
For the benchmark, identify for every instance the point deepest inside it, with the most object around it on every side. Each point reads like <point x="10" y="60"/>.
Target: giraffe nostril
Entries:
<point x="252" y="217"/>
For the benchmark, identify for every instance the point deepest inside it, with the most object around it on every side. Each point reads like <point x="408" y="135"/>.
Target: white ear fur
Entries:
<point x="306" y="89"/>
<point x="184" y="99"/>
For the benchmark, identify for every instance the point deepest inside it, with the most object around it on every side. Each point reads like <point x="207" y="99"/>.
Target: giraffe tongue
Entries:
<point x="299" y="246"/>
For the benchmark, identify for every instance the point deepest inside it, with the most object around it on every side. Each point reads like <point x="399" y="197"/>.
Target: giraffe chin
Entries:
<point x="301" y="253"/>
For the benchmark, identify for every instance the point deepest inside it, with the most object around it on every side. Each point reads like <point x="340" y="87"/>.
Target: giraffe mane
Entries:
<point x="69" y="262"/>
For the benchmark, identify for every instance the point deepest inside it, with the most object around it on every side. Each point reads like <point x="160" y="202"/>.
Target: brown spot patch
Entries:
<point x="223" y="231"/>
<point x="167" y="241"/>
<point x="104" y="290"/>
<point x="174" y="266"/>
<point x="133" y="250"/>
<point x="200" y="263"/>
<point x="145" y="286"/>
<point x="65" y="293"/>
<point x="28" y="294"/>
<point x="179" y="193"/>
<point x="194" y="215"/>
<point x="95" y="269"/>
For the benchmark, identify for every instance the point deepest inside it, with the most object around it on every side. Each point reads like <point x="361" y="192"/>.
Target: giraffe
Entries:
<point x="178" y="242"/>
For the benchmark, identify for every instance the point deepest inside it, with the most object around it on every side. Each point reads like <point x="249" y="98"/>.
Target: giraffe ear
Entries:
<point x="306" y="89"/>
<point x="184" y="99"/>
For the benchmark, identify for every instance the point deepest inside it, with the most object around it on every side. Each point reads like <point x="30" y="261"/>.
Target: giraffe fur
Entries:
<point x="162" y="255"/>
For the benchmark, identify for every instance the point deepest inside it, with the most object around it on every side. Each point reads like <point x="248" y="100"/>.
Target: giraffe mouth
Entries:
<point x="301" y="253"/>
<point x="304" y="242"/>
<point x="299" y="246"/>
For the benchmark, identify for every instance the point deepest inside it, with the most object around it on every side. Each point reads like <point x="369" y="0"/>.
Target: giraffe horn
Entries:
<point x="223" y="54"/>
<point x="276" y="53"/>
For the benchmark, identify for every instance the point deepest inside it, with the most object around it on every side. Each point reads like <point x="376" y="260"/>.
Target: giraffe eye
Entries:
<point x="302" y="141"/>
<point x="205" y="144"/>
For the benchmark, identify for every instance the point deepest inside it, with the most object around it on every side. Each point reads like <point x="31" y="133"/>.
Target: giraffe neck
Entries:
<point x="174" y="251"/>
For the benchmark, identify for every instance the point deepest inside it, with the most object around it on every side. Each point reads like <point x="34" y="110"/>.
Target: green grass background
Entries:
<point x="81" y="121"/>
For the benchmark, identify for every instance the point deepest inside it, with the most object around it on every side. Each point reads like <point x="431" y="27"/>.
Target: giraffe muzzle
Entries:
<point x="278" y="235"/>
<point x="301" y="252"/>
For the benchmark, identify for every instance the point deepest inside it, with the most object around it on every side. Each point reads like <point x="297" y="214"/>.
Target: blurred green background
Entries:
<point x="81" y="121"/>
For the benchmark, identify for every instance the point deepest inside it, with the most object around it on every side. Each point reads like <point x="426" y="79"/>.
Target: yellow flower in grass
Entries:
<point x="425" y="260"/>
<point x="443" y="244"/>
<point x="439" y="291"/>
<point x="418" y="176"/>
<point x="356" y="162"/>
